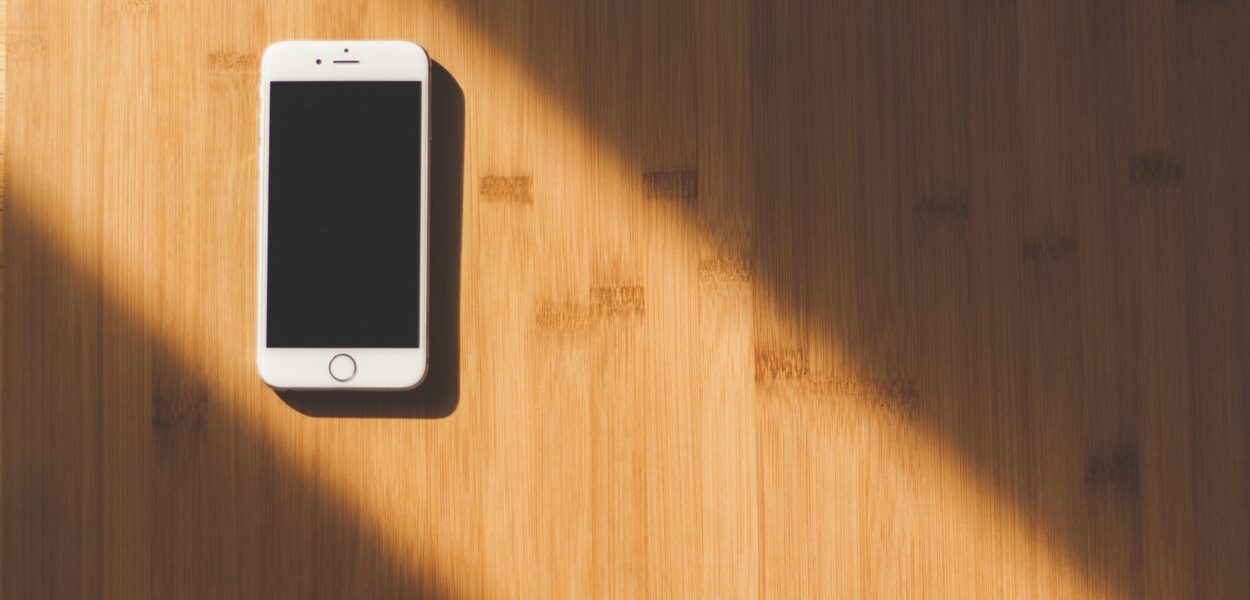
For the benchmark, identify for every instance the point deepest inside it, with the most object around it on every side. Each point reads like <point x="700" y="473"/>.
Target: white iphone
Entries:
<point x="344" y="178"/>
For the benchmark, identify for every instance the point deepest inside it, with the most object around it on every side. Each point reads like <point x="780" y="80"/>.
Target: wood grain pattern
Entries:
<point x="910" y="298"/>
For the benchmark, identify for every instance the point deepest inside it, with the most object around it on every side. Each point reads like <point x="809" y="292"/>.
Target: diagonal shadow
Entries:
<point x="943" y="195"/>
<point x="196" y="501"/>
<point x="209" y="504"/>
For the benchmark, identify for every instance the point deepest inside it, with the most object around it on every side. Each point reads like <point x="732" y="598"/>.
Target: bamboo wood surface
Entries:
<point x="732" y="298"/>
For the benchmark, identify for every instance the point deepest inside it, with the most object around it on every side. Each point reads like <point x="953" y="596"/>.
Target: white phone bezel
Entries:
<point x="308" y="368"/>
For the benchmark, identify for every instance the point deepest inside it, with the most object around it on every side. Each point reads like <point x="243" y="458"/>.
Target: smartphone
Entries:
<point x="344" y="214"/>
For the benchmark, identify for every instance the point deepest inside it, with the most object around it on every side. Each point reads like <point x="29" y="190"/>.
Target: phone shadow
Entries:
<point x="439" y="394"/>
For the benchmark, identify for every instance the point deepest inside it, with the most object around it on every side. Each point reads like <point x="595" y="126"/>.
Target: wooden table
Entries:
<point x="733" y="298"/>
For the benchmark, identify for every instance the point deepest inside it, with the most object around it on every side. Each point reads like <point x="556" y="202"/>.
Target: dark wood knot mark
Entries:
<point x="179" y="407"/>
<point x="942" y="207"/>
<point x="724" y="271"/>
<point x="617" y="301"/>
<point x="562" y="316"/>
<point x="1118" y="467"/>
<point x="1050" y="247"/>
<point x="681" y="185"/>
<point x="780" y="365"/>
<point x="897" y="396"/>
<point x="179" y="398"/>
<point x="233" y="62"/>
<point x="1155" y="170"/>
<point x="507" y="188"/>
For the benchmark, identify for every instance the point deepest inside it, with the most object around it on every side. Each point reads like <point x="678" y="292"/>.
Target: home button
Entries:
<point x="342" y="367"/>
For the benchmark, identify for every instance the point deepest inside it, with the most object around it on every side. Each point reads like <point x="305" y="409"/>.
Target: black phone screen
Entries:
<point x="344" y="229"/>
